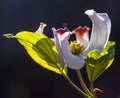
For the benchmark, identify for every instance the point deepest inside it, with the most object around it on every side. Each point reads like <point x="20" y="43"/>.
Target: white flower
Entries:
<point x="41" y="28"/>
<point x="101" y="26"/>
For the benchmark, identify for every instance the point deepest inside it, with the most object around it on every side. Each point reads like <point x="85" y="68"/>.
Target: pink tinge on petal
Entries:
<point x="81" y="31"/>
<point x="61" y="31"/>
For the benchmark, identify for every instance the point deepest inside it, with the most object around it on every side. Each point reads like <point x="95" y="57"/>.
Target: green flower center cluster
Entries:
<point x="76" y="48"/>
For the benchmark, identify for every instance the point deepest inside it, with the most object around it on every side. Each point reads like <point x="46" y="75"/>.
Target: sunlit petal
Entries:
<point x="58" y="47"/>
<point x="41" y="28"/>
<point x="100" y="30"/>
<point x="72" y="61"/>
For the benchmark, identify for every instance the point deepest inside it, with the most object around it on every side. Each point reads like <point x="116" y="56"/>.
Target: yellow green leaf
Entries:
<point x="97" y="62"/>
<point x="42" y="50"/>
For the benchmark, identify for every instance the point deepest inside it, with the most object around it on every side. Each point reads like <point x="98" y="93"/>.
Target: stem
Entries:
<point x="83" y="83"/>
<point x="76" y="88"/>
<point x="91" y="86"/>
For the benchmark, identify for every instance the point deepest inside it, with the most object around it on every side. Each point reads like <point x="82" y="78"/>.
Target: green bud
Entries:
<point x="9" y="35"/>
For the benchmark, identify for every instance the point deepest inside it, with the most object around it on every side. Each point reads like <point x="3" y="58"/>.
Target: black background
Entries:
<point x="20" y="76"/>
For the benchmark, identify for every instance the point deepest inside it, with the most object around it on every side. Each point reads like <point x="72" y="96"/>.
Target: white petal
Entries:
<point x="41" y="28"/>
<point x="100" y="30"/>
<point x="58" y="47"/>
<point x="72" y="61"/>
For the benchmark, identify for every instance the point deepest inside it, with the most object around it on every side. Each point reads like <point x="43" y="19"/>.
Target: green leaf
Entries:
<point x="42" y="50"/>
<point x="97" y="62"/>
<point x="109" y="45"/>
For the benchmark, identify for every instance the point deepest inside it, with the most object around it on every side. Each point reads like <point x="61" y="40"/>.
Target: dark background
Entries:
<point x="20" y="76"/>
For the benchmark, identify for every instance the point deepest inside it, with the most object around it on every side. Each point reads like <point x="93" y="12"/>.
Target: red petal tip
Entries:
<point x="81" y="31"/>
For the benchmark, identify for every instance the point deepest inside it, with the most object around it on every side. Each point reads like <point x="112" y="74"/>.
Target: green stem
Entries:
<point x="83" y="83"/>
<point x="91" y="86"/>
<point x="76" y="88"/>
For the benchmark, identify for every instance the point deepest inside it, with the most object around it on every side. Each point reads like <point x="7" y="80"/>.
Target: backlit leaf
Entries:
<point x="97" y="62"/>
<point x="42" y="50"/>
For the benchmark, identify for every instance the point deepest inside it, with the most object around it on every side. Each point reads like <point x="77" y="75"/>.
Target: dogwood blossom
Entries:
<point x="101" y="26"/>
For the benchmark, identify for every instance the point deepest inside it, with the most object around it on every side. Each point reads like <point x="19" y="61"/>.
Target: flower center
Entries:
<point x="76" y="48"/>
